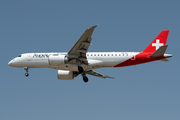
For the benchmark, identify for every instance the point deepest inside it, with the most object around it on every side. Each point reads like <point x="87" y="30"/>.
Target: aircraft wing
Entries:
<point x="81" y="46"/>
<point x="90" y="72"/>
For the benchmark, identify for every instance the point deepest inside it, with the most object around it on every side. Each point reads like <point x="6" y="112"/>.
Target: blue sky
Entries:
<point x="148" y="91"/>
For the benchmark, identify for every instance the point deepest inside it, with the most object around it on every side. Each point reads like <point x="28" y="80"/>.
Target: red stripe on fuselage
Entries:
<point x="139" y="59"/>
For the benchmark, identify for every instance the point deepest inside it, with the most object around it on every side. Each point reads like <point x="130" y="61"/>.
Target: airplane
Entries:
<point x="79" y="61"/>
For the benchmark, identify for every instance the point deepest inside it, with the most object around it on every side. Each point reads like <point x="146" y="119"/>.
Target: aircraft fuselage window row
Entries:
<point x="122" y="54"/>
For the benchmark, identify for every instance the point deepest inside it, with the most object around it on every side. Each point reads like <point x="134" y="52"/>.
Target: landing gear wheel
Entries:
<point x="80" y="69"/>
<point x="85" y="79"/>
<point x="26" y="74"/>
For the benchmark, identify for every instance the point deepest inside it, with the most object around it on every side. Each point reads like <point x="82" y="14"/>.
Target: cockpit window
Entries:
<point x="19" y="56"/>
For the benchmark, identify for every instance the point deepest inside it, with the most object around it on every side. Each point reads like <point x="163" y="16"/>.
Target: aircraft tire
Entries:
<point x="26" y="74"/>
<point x="85" y="79"/>
<point x="80" y="69"/>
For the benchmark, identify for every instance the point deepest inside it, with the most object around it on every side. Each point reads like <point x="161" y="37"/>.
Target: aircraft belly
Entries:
<point x="73" y="67"/>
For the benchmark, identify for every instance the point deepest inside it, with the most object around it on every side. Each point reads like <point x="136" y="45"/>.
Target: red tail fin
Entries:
<point x="157" y="42"/>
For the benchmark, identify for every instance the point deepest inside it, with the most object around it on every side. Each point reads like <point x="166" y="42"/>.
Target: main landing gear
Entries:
<point x="26" y="74"/>
<point x="85" y="79"/>
<point x="81" y="71"/>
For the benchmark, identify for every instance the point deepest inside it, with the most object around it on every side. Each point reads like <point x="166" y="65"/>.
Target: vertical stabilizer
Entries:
<point x="160" y="40"/>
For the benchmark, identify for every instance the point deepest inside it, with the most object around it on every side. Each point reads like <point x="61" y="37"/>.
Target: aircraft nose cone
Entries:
<point x="10" y="63"/>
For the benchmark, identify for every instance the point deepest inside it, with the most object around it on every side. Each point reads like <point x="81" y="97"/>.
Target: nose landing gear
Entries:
<point x="26" y="74"/>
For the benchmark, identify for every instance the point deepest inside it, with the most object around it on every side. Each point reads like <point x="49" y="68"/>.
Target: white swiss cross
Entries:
<point x="157" y="44"/>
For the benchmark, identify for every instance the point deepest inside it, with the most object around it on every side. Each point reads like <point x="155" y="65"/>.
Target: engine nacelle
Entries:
<point x="55" y="60"/>
<point x="65" y="75"/>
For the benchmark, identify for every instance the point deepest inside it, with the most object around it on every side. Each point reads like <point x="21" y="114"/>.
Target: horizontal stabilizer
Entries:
<point x="164" y="60"/>
<point x="159" y="52"/>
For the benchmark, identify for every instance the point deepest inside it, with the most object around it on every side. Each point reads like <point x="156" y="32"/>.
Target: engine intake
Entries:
<point x="55" y="60"/>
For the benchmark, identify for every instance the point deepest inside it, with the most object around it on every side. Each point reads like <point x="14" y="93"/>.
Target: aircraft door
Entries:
<point x="29" y="57"/>
<point x="133" y="56"/>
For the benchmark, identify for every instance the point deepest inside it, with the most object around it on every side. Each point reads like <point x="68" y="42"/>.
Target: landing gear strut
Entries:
<point x="81" y="71"/>
<point x="26" y="74"/>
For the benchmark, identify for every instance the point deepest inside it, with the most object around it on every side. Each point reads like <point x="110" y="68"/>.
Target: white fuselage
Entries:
<point x="95" y="60"/>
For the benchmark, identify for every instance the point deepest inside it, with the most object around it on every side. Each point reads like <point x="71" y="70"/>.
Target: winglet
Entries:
<point x="93" y="27"/>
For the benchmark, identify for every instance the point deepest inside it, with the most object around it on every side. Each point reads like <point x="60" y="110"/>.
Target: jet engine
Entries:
<point x="65" y="75"/>
<point x="55" y="60"/>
